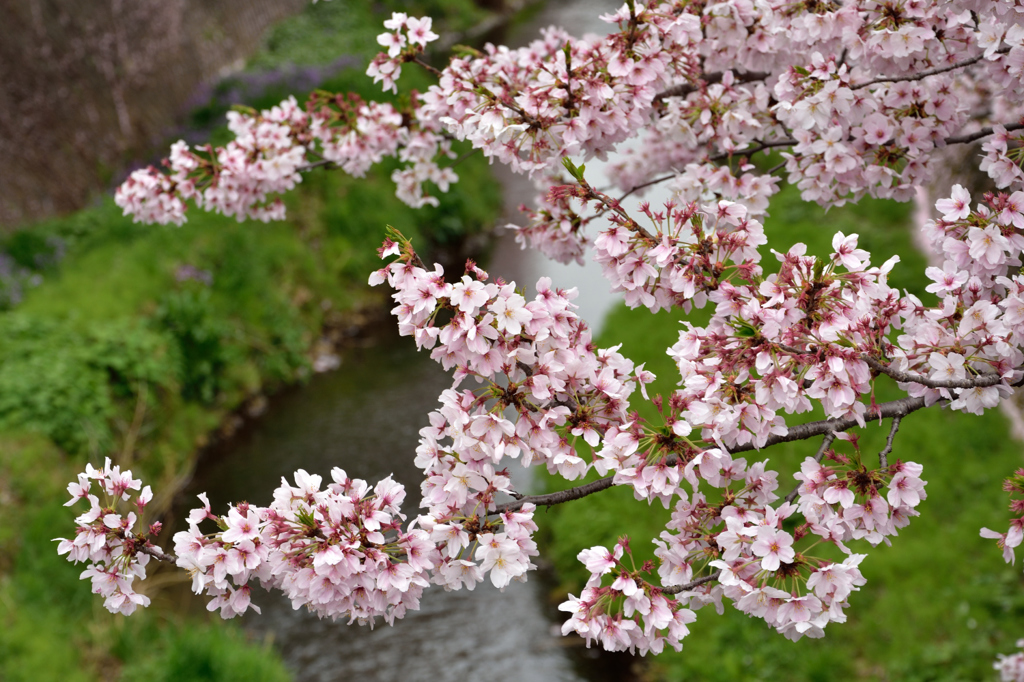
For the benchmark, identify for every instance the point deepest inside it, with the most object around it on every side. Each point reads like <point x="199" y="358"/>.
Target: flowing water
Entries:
<point x="365" y="418"/>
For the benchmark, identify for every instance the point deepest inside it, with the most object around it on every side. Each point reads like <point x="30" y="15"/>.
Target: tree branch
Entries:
<point x="157" y="553"/>
<point x="911" y="377"/>
<point x="929" y="72"/>
<point x="315" y="164"/>
<point x="684" y="89"/>
<point x="551" y="499"/>
<point x="894" y="408"/>
<point x="883" y="456"/>
<point x="750" y="151"/>
<point x="642" y="185"/>
<point x="676" y="589"/>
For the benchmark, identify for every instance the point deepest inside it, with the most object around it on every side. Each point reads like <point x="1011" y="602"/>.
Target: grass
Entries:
<point x="939" y="603"/>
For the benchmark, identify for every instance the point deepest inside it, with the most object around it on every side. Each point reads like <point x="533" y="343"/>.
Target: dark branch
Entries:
<point x="157" y="553"/>
<point x="929" y="72"/>
<point x="894" y="408"/>
<point x="760" y="147"/>
<point x="984" y="132"/>
<point x="316" y="164"/>
<point x="684" y="89"/>
<point x="676" y="589"/>
<point x="883" y="456"/>
<point x="642" y="185"/>
<point x="551" y="499"/>
<point x="749" y="151"/>
<point x="911" y="377"/>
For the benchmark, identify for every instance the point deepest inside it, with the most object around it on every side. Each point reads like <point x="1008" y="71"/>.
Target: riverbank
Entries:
<point x="140" y="343"/>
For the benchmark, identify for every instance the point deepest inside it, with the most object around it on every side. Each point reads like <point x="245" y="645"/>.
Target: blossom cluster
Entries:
<point x="108" y="537"/>
<point x="271" y="149"/>
<point x="235" y="180"/>
<point x="406" y="37"/>
<point x="857" y="96"/>
<point x="975" y="332"/>
<point x="1011" y="539"/>
<point x="629" y="613"/>
<point x="1011" y="668"/>
<point x="339" y="551"/>
<point x="860" y="97"/>
<point x="543" y="391"/>
<point x="760" y="567"/>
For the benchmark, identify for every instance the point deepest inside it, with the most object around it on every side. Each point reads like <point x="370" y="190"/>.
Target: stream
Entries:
<point x="365" y="417"/>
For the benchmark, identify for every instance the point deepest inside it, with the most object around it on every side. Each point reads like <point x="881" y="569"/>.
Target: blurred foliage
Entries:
<point x="205" y="654"/>
<point x="136" y="342"/>
<point x="191" y="320"/>
<point x="939" y="604"/>
<point x="350" y="28"/>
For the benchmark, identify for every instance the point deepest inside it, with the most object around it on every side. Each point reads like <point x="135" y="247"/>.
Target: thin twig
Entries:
<point x="642" y="185"/>
<point x="910" y="377"/>
<point x="615" y="206"/>
<point x="901" y="407"/>
<point x="316" y="164"/>
<point x="436" y="72"/>
<point x="883" y="456"/>
<point x="462" y="157"/>
<point x="984" y="132"/>
<point x="133" y="431"/>
<point x="676" y="589"/>
<point x="929" y="72"/>
<point x="158" y="554"/>
<point x="750" y="151"/>
<point x="684" y="89"/>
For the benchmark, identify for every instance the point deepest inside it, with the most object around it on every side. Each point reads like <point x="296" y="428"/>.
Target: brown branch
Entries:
<point x="929" y="72"/>
<point x="462" y="157"/>
<point x="984" y="132"/>
<point x="894" y="408"/>
<point x="749" y="151"/>
<point x="551" y="499"/>
<point x="676" y="589"/>
<point x="614" y="206"/>
<point x="684" y="89"/>
<point x="883" y="456"/>
<point x="128" y="451"/>
<point x="434" y="71"/>
<point x="642" y="185"/>
<point x="157" y="553"/>
<point x="316" y="164"/>
<point x="911" y="377"/>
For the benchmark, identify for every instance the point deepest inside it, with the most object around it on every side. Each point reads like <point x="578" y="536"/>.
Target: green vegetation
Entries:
<point x="140" y="340"/>
<point x="939" y="603"/>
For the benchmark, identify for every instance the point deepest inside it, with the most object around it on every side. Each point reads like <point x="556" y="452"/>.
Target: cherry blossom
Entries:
<point x="850" y="100"/>
<point x="1011" y="667"/>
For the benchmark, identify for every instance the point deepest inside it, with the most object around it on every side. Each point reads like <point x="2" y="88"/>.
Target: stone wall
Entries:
<point x="88" y="85"/>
